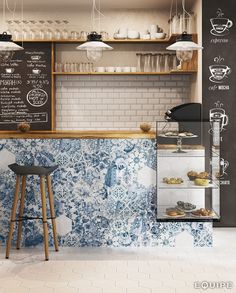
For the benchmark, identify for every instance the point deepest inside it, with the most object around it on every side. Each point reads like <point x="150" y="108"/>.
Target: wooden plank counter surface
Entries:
<point x="86" y="134"/>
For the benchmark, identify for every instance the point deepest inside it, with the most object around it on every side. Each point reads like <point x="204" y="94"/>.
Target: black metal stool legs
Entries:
<point x="22" y="202"/>
<point x="44" y="211"/>
<point x="52" y="211"/>
<point x="13" y="216"/>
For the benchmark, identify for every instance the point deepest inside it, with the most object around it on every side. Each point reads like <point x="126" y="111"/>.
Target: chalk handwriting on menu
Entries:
<point x="25" y="88"/>
<point x="220" y="27"/>
<point x="218" y="120"/>
<point x="219" y="74"/>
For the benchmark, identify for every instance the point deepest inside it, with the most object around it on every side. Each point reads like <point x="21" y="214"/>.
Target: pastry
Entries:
<point x="172" y="213"/>
<point x="175" y="212"/>
<point x="172" y="180"/>
<point x="201" y="182"/>
<point x="192" y="175"/>
<point x="185" y="206"/>
<point x="203" y="175"/>
<point x="189" y="134"/>
<point x="203" y="213"/>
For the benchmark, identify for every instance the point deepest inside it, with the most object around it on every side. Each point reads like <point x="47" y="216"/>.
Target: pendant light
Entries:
<point x="7" y="46"/>
<point x="94" y="46"/>
<point x="184" y="45"/>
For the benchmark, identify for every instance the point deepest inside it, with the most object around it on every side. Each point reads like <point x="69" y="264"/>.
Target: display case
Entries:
<point x="188" y="171"/>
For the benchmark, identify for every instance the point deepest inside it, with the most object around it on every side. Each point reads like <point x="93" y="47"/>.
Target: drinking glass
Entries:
<point x="162" y="62"/>
<point x="75" y="35"/>
<point x="139" y="62"/>
<point x="166" y="62"/>
<point x="147" y="62"/>
<point x="158" y="68"/>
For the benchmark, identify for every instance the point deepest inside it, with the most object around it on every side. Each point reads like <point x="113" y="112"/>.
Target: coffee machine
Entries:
<point x="189" y="118"/>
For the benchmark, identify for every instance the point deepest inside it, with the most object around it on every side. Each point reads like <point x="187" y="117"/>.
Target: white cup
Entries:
<point x="100" y="69"/>
<point x="126" y="69"/>
<point x="153" y="28"/>
<point x="110" y="69"/>
<point x="118" y="69"/>
<point x="133" y="34"/>
<point x="123" y="32"/>
<point x="145" y="37"/>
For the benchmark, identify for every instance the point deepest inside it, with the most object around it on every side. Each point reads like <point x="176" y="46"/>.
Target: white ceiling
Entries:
<point x="58" y="5"/>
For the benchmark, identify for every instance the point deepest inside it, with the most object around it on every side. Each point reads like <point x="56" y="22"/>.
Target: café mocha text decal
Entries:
<point x="219" y="88"/>
<point x="25" y="88"/>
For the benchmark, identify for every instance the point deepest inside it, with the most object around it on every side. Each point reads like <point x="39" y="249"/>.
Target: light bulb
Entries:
<point x="185" y="55"/>
<point x="94" y="55"/>
<point x="6" y="56"/>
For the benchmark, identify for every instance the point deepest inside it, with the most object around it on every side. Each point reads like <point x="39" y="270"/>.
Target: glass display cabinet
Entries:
<point x="188" y="171"/>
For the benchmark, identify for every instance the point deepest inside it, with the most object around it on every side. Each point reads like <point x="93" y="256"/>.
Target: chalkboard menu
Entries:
<point x="25" y="88"/>
<point x="219" y="88"/>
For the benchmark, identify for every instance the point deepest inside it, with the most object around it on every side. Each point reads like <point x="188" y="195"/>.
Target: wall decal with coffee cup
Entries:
<point x="218" y="120"/>
<point x="220" y="24"/>
<point x="219" y="72"/>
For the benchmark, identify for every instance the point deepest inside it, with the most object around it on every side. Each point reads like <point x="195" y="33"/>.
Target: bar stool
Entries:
<point x="44" y="173"/>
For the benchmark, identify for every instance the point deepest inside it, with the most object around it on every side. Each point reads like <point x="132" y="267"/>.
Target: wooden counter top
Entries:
<point x="90" y="134"/>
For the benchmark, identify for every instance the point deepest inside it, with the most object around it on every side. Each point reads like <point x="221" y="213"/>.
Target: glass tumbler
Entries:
<point x="139" y="62"/>
<point x="167" y="62"/>
<point x="157" y="67"/>
<point x="147" y="62"/>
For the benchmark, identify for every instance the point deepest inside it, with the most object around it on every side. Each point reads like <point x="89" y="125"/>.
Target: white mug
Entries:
<point x="126" y="69"/>
<point x="110" y="69"/>
<point x="100" y="69"/>
<point x="153" y="29"/>
<point x="118" y="69"/>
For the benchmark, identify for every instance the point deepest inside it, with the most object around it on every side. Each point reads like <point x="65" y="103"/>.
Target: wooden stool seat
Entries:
<point x="44" y="173"/>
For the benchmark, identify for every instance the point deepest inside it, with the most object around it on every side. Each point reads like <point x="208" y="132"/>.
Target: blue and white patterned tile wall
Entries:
<point x="105" y="193"/>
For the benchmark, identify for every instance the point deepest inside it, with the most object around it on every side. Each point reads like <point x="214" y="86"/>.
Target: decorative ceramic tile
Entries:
<point x="105" y="193"/>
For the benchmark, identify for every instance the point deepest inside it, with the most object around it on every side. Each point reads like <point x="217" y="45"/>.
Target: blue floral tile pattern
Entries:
<point x="101" y="198"/>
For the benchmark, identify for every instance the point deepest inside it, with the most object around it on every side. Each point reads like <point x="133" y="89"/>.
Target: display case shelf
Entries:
<point x="187" y="185"/>
<point x="163" y="217"/>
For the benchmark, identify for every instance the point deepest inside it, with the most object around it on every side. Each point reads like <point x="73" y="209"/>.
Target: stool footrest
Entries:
<point x="31" y="218"/>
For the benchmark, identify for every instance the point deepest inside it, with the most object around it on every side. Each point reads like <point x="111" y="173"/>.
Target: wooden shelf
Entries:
<point x="127" y="73"/>
<point x="170" y="39"/>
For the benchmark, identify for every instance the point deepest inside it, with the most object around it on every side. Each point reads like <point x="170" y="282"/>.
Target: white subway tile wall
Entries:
<point x="117" y="102"/>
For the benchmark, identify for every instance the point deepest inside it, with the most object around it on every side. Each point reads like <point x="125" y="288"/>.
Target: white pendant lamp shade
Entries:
<point x="6" y="43"/>
<point x="94" y="45"/>
<point x="184" y="47"/>
<point x="7" y="47"/>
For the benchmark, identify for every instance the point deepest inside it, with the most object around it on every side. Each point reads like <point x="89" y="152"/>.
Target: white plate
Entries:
<point x="178" y="216"/>
<point x="169" y="136"/>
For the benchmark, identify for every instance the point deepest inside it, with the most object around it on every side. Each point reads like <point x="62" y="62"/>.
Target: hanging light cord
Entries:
<point x="9" y="9"/>
<point x="4" y="12"/>
<point x="96" y="10"/>
<point x="184" y="10"/>
<point x="170" y="17"/>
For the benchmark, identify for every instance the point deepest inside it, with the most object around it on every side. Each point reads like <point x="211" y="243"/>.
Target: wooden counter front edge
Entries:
<point x="90" y="134"/>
